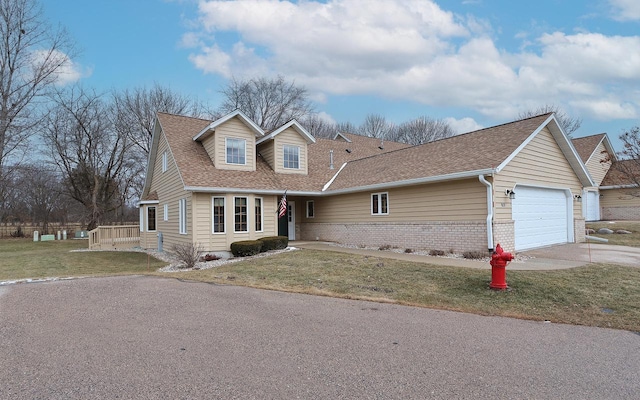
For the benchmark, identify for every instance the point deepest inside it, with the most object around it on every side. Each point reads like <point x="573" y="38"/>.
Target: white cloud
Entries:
<point x="625" y="10"/>
<point x="415" y="50"/>
<point x="68" y="71"/>
<point x="326" y="118"/>
<point x="463" y="125"/>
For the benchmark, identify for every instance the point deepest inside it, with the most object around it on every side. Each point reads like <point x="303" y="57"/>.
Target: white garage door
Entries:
<point x="541" y="217"/>
<point x="591" y="206"/>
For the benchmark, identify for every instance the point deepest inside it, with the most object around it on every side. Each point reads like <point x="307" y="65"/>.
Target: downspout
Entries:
<point x="489" y="211"/>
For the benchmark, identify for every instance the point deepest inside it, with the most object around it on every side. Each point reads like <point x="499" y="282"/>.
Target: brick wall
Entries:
<point x="621" y="213"/>
<point x="432" y="235"/>
<point x="504" y="234"/>
<point x="579" y="229"/>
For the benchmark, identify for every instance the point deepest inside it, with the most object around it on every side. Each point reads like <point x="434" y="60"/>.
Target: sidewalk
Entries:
<point x="529" y="264"/>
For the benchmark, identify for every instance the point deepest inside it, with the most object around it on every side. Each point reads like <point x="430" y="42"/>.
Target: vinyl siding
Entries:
<point x="596" y="168"/>
<point x="209" y="144"/>
<point x="266" y="150"/>
<point x="219" y="241"/>
<point x="234" y="128"/>
<point x="540" y="163"/>
<point x="290" y="137"/>
<point x="170" y="190"/>
<point x="619" y="198"/>
<point x="463" y="200"/>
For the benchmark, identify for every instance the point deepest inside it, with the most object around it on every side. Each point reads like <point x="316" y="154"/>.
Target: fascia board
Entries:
<point x="293" y="123"/>
<point x="237" y="113"/>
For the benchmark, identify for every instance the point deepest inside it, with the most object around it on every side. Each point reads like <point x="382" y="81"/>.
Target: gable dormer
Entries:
<point x="597" y="153"/>
<point x="285" y="149"/>
<point x="230" y="141"/>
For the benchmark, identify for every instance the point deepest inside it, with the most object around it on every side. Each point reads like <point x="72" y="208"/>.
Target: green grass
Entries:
<point x="632" y="239"/>
<point x="597" y="295"/>
<point x="574" y="296"/>
<point x="22" y="258"/>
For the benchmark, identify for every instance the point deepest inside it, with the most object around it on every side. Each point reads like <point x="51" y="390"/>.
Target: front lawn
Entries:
<point x="23" y="258"/>
<point x="632" y="239"/>
<point x="596" y="295"/>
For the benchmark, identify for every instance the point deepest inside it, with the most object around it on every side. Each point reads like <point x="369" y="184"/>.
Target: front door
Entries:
<point x="291" y="215"/>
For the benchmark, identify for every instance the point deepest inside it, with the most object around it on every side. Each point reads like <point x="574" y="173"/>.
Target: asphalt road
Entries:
<point x="154" y="338"/>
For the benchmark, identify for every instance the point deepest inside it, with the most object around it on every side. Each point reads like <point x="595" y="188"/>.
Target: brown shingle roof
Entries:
<point x="622" y="173"/>
<point x="197" y="169"/>
<point x="480" y="150"/>
<point x="585" y="146"/>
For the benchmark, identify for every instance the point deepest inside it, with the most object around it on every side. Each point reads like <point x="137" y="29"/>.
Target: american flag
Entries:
<point x="283" y="205"/>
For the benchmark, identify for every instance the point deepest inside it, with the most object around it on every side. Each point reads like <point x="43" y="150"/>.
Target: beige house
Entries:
<point x="518" y="184"/>
<point x="597" y="154"/>
<point x="614" y="196"/>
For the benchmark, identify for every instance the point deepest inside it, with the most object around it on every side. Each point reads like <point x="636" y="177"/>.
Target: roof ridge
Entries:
<point x="183" y="116"/>
<point x="451" y="137"/>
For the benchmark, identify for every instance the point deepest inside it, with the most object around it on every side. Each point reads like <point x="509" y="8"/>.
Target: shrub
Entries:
<point x="474" y="255"/>
<point x="18" y="233"/>
<point x="246" y="248"/>
<point x="274" y="243"/>
<point x="408" y="251"/>
<point x="436" y="252"/>
<point x="385" y="247"/>
<point x="188" y="253"/>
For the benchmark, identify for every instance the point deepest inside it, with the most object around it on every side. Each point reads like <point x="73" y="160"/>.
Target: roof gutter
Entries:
<point x="377" y="186"/>
<point x="489" y="211"/>
<point x="631" y="186"/>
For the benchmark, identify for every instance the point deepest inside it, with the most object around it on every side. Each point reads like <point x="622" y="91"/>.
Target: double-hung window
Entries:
<point x="258" y="214"/>
<point x="217" y="204"/>
<point x="379" y="203"/>
<point x="236" y="150"/>
<point x="291" y="156"/>
<point x="182" y="216"/>
<point x="240" y="204"/>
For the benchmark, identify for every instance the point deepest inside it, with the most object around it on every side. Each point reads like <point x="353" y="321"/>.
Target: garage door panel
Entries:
<point x="591" y="205"/>
<point x="540" y="217"/>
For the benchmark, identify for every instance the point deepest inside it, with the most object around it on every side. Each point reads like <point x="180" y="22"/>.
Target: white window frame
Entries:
<point x="226" y="150"/>
<point x="379" y="201"/>
<point x="155" y="218"/>
<point x="164" y="162"/>
<point x="182" y="216"/>
<point x="261" y="214"/>
<point x="224" y="215"/>
<point x="142" y="218"/>
<point x="284" y="159"/>
<point x="234" y="214"/>
<point x="313" y="209"/>
<point x="165" y="213"/>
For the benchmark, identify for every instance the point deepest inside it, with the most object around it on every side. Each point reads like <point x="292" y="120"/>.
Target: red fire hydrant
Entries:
<point x="499" y="260"/>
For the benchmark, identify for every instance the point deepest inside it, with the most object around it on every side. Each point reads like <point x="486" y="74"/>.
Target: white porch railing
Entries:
<point x="114" y="237"/>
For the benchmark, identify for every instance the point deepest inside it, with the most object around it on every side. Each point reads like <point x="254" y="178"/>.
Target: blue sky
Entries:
<point x="476" y="63"/>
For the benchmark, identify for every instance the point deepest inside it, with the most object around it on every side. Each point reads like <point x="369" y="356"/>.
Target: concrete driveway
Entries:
<point x="590" y="252"/>
<point x="155" y="338"/>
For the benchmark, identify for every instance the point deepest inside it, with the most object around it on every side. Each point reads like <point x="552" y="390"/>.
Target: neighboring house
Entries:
<point x="597" y="154"/>
<point x="213" y="183"/>
<point x="620" y="194"/>
<point x="615" y="196"/>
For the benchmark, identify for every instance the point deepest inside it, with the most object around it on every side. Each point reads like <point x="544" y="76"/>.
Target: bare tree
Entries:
<point x="318" y="127"/>
<point x="135" y="112"/>
<point x="90" y="153"/>
<point x="41" y="194"/>
<point x="375" y="125"/>
<point x="268" y="102"/>
<point x="627" y="170"/>
<point x="32" y="58"/>
<point x="567" y="123"/>
<point x="422" y="130"/>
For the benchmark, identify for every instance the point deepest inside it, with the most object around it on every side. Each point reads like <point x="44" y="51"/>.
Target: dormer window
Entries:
<point x="236" y="150"/>
<point x="291" y="156"/>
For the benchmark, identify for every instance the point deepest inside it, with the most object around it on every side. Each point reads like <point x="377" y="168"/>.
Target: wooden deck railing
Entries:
<point x="114" y="237"/>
